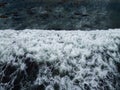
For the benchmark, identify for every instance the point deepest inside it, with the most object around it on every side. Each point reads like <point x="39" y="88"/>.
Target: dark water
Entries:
<point x="114" y="11"/>
<point x="36" y="14"/>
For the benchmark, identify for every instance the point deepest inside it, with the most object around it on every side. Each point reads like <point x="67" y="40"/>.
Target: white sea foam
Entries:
<point x="78" y="60"/>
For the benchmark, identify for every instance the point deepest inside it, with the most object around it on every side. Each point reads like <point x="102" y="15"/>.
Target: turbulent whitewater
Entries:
<point x="59" y="60"/>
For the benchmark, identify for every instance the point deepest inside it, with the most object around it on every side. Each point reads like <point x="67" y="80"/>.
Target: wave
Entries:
<point x="59" y="60"/>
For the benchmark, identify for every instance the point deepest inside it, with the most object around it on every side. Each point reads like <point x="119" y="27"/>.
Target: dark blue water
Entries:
<point x="114" y="12"/>
<point x="85" y="15"/>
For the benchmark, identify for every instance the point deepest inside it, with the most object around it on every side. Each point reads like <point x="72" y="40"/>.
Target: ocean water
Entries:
<point x="83" y="55"/>
<point x="60" y="60"/>
<point x="59" y="14"/>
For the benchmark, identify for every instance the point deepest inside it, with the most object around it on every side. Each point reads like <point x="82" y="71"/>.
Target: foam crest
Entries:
<point x="59" y="60"/>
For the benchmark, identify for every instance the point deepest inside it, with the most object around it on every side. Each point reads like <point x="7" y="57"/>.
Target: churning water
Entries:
<point x="59" y="60"/>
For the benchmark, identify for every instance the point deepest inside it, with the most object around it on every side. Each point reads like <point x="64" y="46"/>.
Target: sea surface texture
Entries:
<point x="59" y="14"/>
<point x="60" y="60"/>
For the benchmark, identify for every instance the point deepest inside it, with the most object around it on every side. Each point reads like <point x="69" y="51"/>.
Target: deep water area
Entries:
<point x="59" y="14"/>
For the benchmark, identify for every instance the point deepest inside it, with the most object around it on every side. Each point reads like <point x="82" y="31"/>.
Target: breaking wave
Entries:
<point x="59" y="60"/>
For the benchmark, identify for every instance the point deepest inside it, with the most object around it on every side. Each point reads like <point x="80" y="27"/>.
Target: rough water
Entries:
<point x="40" y="58"/>
<point x="59" y="14"/>
<point x="60" y="60"/>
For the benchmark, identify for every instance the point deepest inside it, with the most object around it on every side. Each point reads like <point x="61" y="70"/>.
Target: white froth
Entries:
<point x="80" y="54"/>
